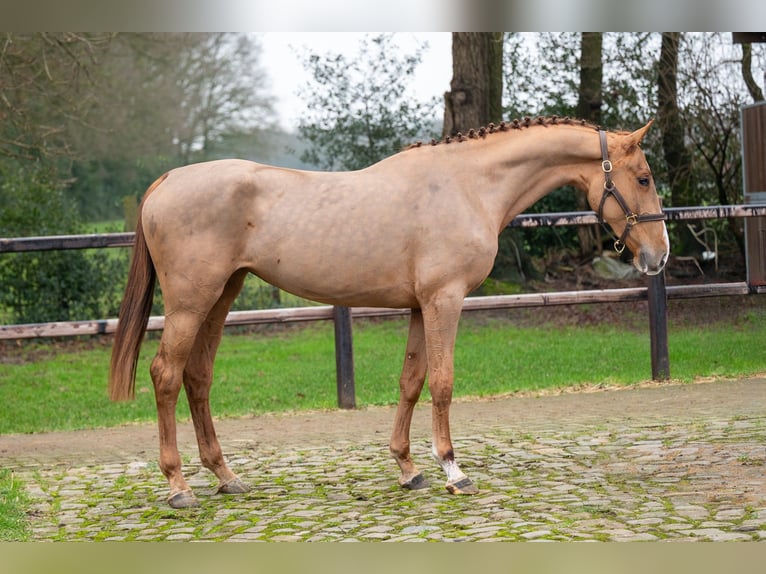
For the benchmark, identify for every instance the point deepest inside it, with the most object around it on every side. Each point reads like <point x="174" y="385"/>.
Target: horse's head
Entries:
<point x="624" y="196"/>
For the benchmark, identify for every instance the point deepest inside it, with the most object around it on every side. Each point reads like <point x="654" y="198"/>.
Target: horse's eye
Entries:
<point x="644" y="181"/>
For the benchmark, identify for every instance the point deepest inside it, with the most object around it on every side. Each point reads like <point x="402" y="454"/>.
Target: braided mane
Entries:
<point x="516" y="124"/>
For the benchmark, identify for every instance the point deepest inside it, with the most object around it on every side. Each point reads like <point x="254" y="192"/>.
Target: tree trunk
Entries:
<point x="475" y="96"/>
<point x="589" y="108"/>
<point x="747" y="73"/>
<point x="677" y="156"/>
<point x="591" y="75"/>
<point x="495" y="72"/>
<point x="757" y="94"/>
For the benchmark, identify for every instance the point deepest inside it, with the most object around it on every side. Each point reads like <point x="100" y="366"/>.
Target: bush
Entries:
<point x="49" y="285"/>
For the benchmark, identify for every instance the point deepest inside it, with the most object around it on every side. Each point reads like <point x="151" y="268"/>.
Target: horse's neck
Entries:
<point x="522" y="167"/>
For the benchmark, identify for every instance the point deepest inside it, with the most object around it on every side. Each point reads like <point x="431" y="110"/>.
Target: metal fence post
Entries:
<point x="344" y="357"/>
<point x="658" y="327"/>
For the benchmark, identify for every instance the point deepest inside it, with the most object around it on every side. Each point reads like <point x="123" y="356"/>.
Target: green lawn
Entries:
<point x="55" y="388"/>
<point x="13" y="505"/>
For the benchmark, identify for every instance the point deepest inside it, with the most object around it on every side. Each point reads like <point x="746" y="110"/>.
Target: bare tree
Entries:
<point x="61" y="91"/>
<point x="106" y="112"/>
<point x="45" y="85"/>
<point x="220" y="89"/>
<point x="712" y="85"/>
<point x="747" y="73"/>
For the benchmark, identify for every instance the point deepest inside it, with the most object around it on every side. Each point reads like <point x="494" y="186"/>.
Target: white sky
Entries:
<point x="281" y="53"/>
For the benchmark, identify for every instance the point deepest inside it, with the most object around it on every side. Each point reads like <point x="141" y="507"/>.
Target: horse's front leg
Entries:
<point x="410" y="386"/>
<point x="441" y="319"/>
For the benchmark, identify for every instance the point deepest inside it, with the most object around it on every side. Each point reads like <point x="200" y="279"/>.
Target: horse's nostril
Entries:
<point x="642" y="261"/>
<point x="661" y="263"/>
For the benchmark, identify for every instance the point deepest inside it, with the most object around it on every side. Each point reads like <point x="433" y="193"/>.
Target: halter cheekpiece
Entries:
<point x="631" y="218"/>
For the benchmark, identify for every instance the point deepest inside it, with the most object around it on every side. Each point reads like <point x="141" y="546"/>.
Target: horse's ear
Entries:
<point x="634" y="139"/>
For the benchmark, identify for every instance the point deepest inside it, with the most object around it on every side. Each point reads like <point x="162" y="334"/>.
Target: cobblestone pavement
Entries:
<point x="675" y="462"/>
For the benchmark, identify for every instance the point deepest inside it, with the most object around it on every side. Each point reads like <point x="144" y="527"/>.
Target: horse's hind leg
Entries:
<point x="167" y="375"/>
<point x="410" y="385"/>
<point x="198" y="378"/>
<point x="187" y="308"/>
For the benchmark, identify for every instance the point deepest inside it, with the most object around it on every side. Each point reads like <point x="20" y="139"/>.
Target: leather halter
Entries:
<point x="631" y="218"/>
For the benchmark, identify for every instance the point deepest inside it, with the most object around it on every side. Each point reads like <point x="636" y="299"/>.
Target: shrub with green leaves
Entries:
<point x="50" y="285"/>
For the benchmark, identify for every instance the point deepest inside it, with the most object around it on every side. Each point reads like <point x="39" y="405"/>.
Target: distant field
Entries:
<point x="110" y="226"/>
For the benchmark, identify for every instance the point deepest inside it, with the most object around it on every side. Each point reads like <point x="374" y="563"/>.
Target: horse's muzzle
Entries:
<point x="651" y="264"/>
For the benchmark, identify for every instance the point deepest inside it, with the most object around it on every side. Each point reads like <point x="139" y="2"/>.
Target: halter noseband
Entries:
<point x="631" y="218"/>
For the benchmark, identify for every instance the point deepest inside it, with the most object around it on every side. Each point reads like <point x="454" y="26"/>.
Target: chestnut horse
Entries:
<point x="418" y="230"/>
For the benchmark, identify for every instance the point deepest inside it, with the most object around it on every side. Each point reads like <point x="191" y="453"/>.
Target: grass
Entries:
<point x="13" y="507"/>
<point x="47" y="388"/>
<point x="106" y="226"/>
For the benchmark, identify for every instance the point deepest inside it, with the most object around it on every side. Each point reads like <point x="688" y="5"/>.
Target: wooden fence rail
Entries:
<point x="326" y="312"/>
<point x="656" y="293"/>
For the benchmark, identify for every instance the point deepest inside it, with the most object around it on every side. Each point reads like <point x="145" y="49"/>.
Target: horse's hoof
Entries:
<point x="183" y="499"/>
<point x="462" y="486"/>
<point x="234" y="486"/>
<point x="417" y="482"/>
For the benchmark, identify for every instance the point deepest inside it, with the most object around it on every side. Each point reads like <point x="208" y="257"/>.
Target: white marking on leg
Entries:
<point x="450" y="467"/>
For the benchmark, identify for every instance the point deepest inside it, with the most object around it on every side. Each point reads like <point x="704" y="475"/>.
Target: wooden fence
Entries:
<point x="656" y="293"/>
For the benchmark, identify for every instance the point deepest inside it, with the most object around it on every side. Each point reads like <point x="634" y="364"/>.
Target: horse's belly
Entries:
<point x="342" y="285"/>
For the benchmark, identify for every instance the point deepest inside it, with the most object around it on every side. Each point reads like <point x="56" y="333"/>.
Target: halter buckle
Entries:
<point x="606" y="166"/>
<point x="632" y="219"/>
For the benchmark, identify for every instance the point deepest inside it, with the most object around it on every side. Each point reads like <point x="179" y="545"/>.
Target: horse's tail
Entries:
<point x="134" y="315"/>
